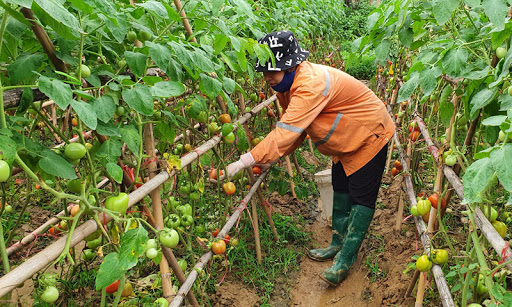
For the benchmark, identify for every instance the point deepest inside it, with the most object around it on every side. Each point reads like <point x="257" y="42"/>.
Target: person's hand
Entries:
<point x="246" y="160"/>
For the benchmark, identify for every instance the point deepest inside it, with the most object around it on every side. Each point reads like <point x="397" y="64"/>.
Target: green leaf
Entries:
<point x="86" y="113"/>
<point x="209" y="86"/>
<point x="22" y="3"/>
<point x="133" y="245"/>
<point x="491" y="134"/>
<point x="428" y="79"/>
<point x="494" y="120"/>
<point x="405" y="92"/>
<point x="139" y="98"/>
<point x="443" y="10"/>
<point x="110" y="150"/>
<point x="497" y="11"/>
<point x="446" y="112"/>
<point x="27" y="97"/>
<point x="382" y="50"/>
<point x="475" y="179"/>
<point x="56" y="165"/>
<point x="454" y="61"/>
<point x="472" y="3"/>
<point x="229" y="84"/>
<point x="108" y="129"/>
<point x="230" y="104"/>
<point x="136" y="61"/>
<point x="110" y="271"/>
<point x="406" y="36"/>
<point x="57" y="91"/>
<point x="115" y="171"/>
<point x="155" y="7"/>
<point x="165" y="132"/>
<point x="23" y="67"/>
<point x="167" y="89"/>
<point x="7" y="149"/>
<point x="160" y="54"/>
<point x="502" y="162"/>
<point x="54" y="14"/>
<point x="244" y="8"/>
<point x="481" y="99"/>
<point x="130" y="136"/>
<point x="243" y="143"/>
<point x="105" y="107"/>
<point x="220" y="42"/>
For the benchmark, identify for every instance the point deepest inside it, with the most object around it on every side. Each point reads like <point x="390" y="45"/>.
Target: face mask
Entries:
<point x="286" y="83"/>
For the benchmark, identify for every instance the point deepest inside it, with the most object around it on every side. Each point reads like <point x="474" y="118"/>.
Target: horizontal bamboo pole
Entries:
<point x="39" y="261"/>
<point x="482" y="222"/>
<point x="185" y="287"/>
<point x="444" y="291"/>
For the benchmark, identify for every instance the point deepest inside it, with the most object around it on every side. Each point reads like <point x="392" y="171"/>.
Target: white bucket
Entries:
<point x="323" y="181"/>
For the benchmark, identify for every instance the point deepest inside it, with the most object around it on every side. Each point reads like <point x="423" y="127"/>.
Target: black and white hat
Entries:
<point x="286" y="50"/>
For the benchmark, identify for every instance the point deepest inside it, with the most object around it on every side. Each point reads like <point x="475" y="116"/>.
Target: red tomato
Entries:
<point x="394" y="171"/>
<point x="434" y="199"/>
<point x="215" y="232"/>
<point x="398" y="165"/>
<point x="421" y="194"/>
<point x="219" y="247"/>
<point x="414" y="135"/>
<point x="213" y="173"/>
<point x="256" y="170"/>
<point x="227" y="238"/>
<point x="113" y="287"/>
<point x="262" y="95"/>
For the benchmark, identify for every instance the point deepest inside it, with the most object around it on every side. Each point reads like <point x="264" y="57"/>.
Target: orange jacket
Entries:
<point x="344" y="118"/>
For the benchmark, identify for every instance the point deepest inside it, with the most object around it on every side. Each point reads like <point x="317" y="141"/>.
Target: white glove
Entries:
<point x="246" y="160"/>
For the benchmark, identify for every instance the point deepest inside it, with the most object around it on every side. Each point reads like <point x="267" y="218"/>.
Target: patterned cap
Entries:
<point x="286" y="50"/>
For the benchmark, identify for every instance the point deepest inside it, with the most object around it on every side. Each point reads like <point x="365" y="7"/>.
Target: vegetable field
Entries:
<point x="118" y="119"/>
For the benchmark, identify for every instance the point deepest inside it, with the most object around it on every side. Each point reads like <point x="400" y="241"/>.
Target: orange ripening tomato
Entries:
<point x="229" y="188"/>
<point x="219" y="247"/>
<point x="398" y="165"/>
<point x="213" y="173"/>
<point x="256" y="170"/>
<point x="74" y="210"/>
<point x="225" y="118"/>
<point x="215" y="232"/>
<point x="394" y="171"/>
<point x="414" y="135"/>
<point x="37" y="186"/>
<point x="74" y="122"/>
<point x="227" y="238"/>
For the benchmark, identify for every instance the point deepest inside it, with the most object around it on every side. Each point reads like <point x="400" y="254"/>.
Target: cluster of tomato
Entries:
<point x="414" y="131"/>
<point x="437" y="256"/>
<point x="398" y="167"/>
<point x="48" y="285"/>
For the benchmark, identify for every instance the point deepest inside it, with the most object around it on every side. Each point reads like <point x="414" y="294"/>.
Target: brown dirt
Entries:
<point x="390" y="249"/>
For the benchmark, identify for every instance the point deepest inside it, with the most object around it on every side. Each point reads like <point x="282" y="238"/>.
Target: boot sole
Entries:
<point x="327" y="281"/>
<point x="319" y="260"/>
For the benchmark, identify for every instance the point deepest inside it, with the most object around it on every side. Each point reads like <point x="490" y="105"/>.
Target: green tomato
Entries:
<point x="502" y="136"/>
<point x="144" y="36"/>
<point x="185" y="188"/>
<point x="480" y="287"/>
<point x="439" y="256"/>
<point x="494" y="213"/>
<point x="169" y="238"/>
<point x="414" y="211"/>
<point x="131" y="36"/>
<point x="183" y="264"/>
<point x="117" y="203"/>
<point x="8" y="209"/>
<point x="75" y="151"/>
<point x="93" y="236"/>
<point x="227" y="128"/>
<point x="151" y="244"/>
<point x="187" y="220"/>
<point x="85" y="71"/>
<point x="213" y="127"/>
<point x="88" y="255"/>
<point x="120" y="111"/>
<point x="152" y="253"/>
<point x="509" y="91"/>
<point x="234" y="242"/>
<point x="200" y="229"/>
<point x="185" y="209"/>
<point x="172" y="204"/>
<point x="423" y="206"/>
<point x="50" y="294"/>
<point x="195" y="196"/>
<point x="172" y="221"/>
<point x="501" y="52"/>
<point x="161" y="302"/>
<point x="451" y="160"/>
<point x="94" y="243"/>
<point x="229" y="138"/>
<point x="500" y="227"/>
<point x="74" y="186"/>
<point x="423" y="264"/>
<point x="179" y="148"/>
<point x="5" y="171"/>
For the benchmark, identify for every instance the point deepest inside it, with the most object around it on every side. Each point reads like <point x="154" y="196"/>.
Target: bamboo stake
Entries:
<point x="400" y="209"/>
<point x="43" y="38"/>
<point x="39" y="261"/>
<point x="256" y="232"/>
<point x="310" y="143"/>
<point x="156" y="204"/>
<point x="412" y="284"/>
<point x="394" y="97"/>
<point x="171" y="259"/>
<point x="185" y="287"/>
<point x="184" y="20"/>
<point x="421" y="290"/>
<point x="263" y="203"/>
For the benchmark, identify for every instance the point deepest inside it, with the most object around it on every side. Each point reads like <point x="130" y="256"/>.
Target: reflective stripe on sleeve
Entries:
<point x="289" y="127"/>
<point x="331" y="131"/>
<point x="327" y="82"/>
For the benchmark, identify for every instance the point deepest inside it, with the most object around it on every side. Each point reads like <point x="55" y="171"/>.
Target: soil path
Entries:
<point x="389" y="251"/>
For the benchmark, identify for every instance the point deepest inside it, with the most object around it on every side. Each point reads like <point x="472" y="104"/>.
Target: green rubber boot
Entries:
<point x="340" y="214"/>
<point x="359" y="221"/>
